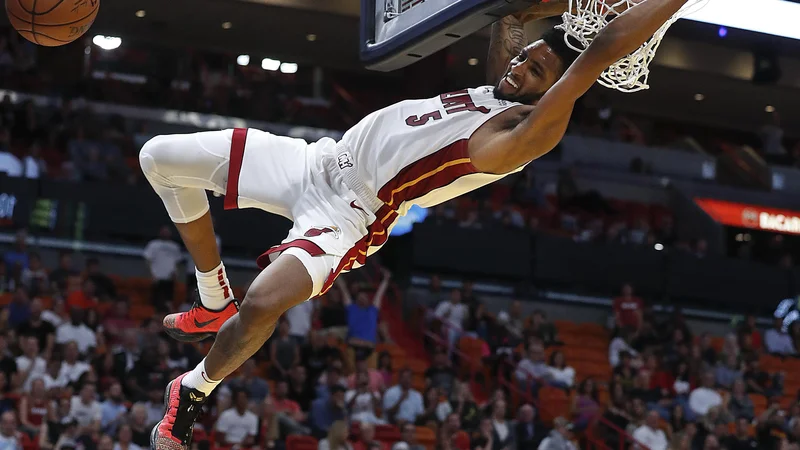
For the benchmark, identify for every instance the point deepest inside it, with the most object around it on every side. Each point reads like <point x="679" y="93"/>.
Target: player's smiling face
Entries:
<point x="530" y="74"/>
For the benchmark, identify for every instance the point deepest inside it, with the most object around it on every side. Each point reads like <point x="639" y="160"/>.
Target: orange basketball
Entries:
<point x="52" y="22"/>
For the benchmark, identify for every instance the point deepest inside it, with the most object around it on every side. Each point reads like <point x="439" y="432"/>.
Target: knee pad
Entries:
<point x="151" y="156"/>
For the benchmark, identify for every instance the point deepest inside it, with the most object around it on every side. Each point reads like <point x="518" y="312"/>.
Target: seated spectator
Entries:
<point x="677" y="419"/>
<point x="86" y="410"/>
<point x="709" y="354"/>
<point x="248" y="380"/>
<point x="440" y="374"/>
<point x="741" y="439"/>
<point x="58" y="277"/>
<point x="162" y="255"/>
<point x="650" y="435"/>
<point x="704" y="397"/>
<point x="749" y="329"/>
<point x="436" y="408"/>
<point x="362" y="323"/>
<point x="464" y="405"/>
<point x="585" y="404"/>
<point x="284" y="352"/>
<point x="366" y="438"/>
<point x="760" y="382"/>
<point x="502" y="431"/>
<point x="560" y="438"/>
<point x="19" y="310"/>
<point x="17" y="257"/>
<point x="376" y="380"/>
<point x="385" y="368"/>
<point x="300" y="320"/>
<point x="30" y="366"/>
<point x="333" y="314"/>
<point x="616" y="415"/>
<point x="289" y="414"/>
<point x="237" y="425"/>
<point x="317" y="354"/>
<point x="620" y="344"/>
<point x="778" y="342"/>
<point x="627" y="309"/>
<point x="740" y="404"/>
<point x="684" y="381"/>
<point x="43" y="331"/>
<point x="336" y="438"/>
<point x="408" y="440"/>
<point x="529" y="433"/>
<point x="533" y="370"/>
<point x="117" y="321"/>
<point x="10" y="438"/>
<point x="299" y="390"/>
<point x="33" y="407"/>
<point x="542" y="329"/>
<point x="7" y="400"/>
<point x="85" y="298"/>
<point x="327" y="410"/>
<point x="483" y="439"/>
<point x="453" y="315"/>
<point x="450" y="434"/>
<point x="71" y="367"/>
<point x="113" y="410"/>
<point x="58" y="419"/>
<point x="76" y="330"/>
<point x="363" y="403"/>
<point x="728" y="372"/>
<point x="624" y="374"/>
<point x="138" y="422"/>
<point x="562" y="375"/>
<point x="332" y="376"/>
<point x="516" y="320"/>
<point x="124" y="440"/>
<point x="401" y="403"/>
<point x="103" y="285"/>
<point x="34" y="277"/>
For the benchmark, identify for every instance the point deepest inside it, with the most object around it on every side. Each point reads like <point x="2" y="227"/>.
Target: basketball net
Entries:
<point x="585" y="18"/>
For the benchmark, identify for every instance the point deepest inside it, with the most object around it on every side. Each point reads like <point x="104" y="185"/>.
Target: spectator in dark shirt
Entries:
<point x="284" y="352"/>
<point x="624" y="373"/>
<point x="709" y="353"/>
<point x="17" y="258"/>
<point x="441" y="375"/>
<point x="464" y="405"/>
<point x="299" y="389"/>
<point x="34" y="277"/>
<point x="42" y="330"/>
<point x="326" y="411"/>
<point x="19" y="311"/>
<point x="529" y="432"/>
<point x="65" y="269"/>
<point x="333" y="314"/>
<point x="104" y="286"/>
<point x="760" y="382"/>
<point x="741" y="439"/>
<point x="542" y="329"/>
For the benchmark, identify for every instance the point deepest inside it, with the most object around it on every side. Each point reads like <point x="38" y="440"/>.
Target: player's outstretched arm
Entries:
<point x="546" y="124"/>
<point x="509" y="38"/>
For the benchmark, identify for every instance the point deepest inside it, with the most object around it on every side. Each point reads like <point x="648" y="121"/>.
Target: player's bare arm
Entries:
<point x="509" y="38"/>
<point x="545" y="124"/>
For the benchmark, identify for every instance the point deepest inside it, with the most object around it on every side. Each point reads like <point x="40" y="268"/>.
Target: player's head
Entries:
<point x="536" y="69"/>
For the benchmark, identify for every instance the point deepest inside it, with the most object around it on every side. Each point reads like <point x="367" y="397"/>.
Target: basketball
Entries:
<point x="52" y="22"/>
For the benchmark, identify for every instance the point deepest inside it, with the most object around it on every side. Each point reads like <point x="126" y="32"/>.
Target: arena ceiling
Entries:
<point x="278" y="29"/>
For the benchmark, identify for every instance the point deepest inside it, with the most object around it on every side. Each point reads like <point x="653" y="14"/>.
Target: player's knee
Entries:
<point x="260" y="308"/>
<point x="155" y="154"/>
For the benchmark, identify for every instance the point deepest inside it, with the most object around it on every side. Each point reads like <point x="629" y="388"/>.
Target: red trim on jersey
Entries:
<point x="310" y="247"/>
<point x="427" y="174"/>
<point x="238" y="141"/>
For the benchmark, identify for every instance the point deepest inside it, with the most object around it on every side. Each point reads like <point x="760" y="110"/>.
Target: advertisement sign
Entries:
<point x="751" y="216"/>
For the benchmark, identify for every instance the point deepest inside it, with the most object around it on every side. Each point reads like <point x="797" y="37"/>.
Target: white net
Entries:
<point x="587" y="17"/>
<point x="394" y="8"/>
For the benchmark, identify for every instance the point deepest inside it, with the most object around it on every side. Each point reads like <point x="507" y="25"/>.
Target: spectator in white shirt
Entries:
<point x="401" y="403"/>
<point x="562" y="375"/>
<point x="10" y="437"/>
<point x="363" y="404"/>
<point x="300" y="318"/>
<point x="72" y="368"/>
<point x="777" y="341"/>
<point x="649" y="435"/>
<point x="533" y="368"/>
<point x="618" y="345"/>
<point x="704" y="397"/>
<point x="453" y="314"/>
<point x="30" y="365"/>
<point x="237" y="425"/>
<point x="86" y="410"/>
<point x="163" y="255"/>
<point x="76" y="331"/>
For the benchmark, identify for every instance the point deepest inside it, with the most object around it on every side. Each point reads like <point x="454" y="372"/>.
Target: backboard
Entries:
<point x="396" y="33"/>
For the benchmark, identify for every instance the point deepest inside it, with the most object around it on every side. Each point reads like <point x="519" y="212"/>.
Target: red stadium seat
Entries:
<point x="294" y="442"/>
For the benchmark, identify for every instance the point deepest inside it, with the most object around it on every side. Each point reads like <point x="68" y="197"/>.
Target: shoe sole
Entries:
<point x="154" y="433"/>
<point x="183" y="336"/>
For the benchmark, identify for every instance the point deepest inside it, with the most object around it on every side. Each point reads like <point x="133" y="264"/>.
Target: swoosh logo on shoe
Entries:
<point x="204" y="324"/>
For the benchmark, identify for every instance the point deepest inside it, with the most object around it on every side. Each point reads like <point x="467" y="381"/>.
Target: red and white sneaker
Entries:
<point x="199" y="322"/>
<point x="174" y="431"/>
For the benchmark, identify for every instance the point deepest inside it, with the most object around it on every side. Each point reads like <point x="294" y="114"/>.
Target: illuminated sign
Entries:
<point x="751" y="216"/>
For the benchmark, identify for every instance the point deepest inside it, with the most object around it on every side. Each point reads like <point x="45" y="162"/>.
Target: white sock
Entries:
<point x="215" y="289"/>
<point x="197" y="379"/>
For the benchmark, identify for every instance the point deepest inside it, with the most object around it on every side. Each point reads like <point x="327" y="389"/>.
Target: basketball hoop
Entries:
<point x="585" y="18"/>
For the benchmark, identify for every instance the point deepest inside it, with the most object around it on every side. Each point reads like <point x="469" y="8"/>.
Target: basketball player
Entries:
<point x="344" y="196"/>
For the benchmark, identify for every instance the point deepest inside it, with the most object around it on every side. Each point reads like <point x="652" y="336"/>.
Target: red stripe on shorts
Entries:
<point x="235" y="167"/>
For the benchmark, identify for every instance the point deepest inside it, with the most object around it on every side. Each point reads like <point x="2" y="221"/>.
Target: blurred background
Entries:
<point x="619" y="293"/>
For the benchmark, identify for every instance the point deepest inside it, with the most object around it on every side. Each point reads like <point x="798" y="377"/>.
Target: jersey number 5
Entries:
<point x="418" y="121"/>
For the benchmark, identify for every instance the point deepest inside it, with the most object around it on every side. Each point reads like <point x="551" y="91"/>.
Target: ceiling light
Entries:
<point x="226" y="25"/>
<point x="769" y="109"/>
<point x="473" y="61"/>
<point x="270" y="64"/>
<point x="311" y="37"/>
<point x="243" y="60"/>
<point x="699" y="97"/>
<point x="107" y="42"/>
<point x="289" y="68"/>
<point x="141" y="13"/>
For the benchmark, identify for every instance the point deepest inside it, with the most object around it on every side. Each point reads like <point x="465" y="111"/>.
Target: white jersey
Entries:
<point x="415" y="152"/>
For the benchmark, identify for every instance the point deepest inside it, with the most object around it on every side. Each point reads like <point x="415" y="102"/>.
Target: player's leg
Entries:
<point x="283" y="284"/>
